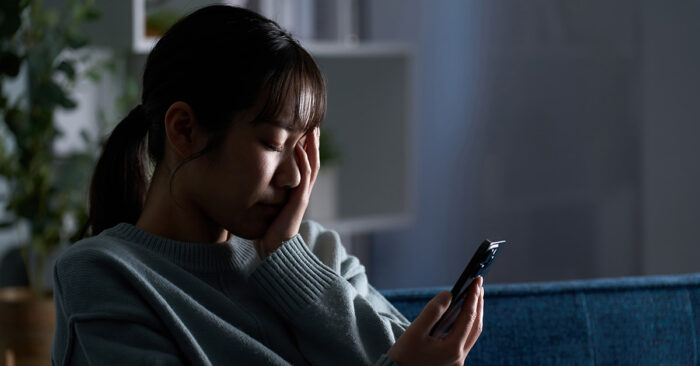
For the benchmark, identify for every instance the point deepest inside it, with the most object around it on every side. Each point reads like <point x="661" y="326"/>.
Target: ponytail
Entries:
<point x="119" y="182"/>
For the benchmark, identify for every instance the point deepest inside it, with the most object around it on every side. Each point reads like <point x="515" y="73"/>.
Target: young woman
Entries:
<point x="205" y="260"/>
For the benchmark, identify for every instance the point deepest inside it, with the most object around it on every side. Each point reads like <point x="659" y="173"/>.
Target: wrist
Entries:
<point x="264" y="249"/>
<point x="260" y="248"/>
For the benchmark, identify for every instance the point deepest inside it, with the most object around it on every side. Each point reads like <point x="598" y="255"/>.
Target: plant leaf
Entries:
<point x="6" y="224"/>
<point x="75" y="40"/>
<point x="67" y="102"/>
<point x="11" y="18"/>
<point x="92" y="13"/>
<point x="10" y="64"/>
<point x="67" y="68"/>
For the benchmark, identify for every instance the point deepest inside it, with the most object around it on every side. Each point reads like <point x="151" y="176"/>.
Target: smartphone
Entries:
<point x="477" y="266"/>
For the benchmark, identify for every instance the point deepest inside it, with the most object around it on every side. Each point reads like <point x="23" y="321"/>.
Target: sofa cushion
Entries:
<point x="649" y="320"/>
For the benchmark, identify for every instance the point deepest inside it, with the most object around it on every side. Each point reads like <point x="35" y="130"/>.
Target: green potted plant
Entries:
<point x="45" y="190"/>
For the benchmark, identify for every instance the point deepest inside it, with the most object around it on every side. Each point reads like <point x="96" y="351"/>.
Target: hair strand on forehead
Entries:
<point x="299" y="84"/>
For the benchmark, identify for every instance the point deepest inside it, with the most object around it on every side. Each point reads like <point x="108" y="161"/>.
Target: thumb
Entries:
<point x="432" y="312"/>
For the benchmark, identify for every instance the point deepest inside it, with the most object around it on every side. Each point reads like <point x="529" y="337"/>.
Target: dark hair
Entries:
<point x="220" y="60"/>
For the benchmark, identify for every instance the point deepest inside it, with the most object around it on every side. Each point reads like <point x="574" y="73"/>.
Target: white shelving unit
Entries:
<point x="369" y="114"/>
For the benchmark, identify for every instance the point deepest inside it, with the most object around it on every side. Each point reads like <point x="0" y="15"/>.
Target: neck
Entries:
<point x="170" y="216"/>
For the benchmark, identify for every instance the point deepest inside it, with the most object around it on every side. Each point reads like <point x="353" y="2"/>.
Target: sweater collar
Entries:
<point x="236" y="254"/>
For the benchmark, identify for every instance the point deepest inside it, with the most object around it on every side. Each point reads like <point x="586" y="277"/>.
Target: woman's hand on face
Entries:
<point x="287" y="223"/>
<point x="417" y="347"/>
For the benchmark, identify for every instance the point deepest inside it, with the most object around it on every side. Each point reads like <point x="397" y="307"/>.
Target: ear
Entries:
<point x="184" y="134"/>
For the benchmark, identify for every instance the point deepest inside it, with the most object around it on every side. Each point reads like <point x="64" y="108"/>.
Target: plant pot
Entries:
<point x="26" y="327"/>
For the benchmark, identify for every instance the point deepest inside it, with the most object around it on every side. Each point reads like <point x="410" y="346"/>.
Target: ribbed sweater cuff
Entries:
<point x="385" y="360"/>
<point x="292" y="277"/>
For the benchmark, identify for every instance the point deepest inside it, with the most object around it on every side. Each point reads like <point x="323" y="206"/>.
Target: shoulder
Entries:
<point x="97" y="250"/>
<point x="95" y="272"/>
<point x="86" y="250"/>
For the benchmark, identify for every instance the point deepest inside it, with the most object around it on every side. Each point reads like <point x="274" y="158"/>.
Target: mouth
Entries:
<point x="270" y="209"/>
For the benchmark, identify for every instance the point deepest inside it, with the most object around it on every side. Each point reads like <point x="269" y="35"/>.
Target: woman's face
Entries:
<point x="243" y="185"/>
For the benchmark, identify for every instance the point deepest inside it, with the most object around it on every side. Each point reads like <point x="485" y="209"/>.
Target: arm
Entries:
<point x="97" y="341"/>
<point x="327" y="247"/>
<point x="335" y="314"/>
<point x="105" y="338"/>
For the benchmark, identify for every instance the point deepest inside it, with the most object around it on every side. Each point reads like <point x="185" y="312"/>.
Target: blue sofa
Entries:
<point x="618" y="321"/>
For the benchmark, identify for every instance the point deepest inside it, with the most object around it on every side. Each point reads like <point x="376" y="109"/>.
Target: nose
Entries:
<point x="288" y="174"/>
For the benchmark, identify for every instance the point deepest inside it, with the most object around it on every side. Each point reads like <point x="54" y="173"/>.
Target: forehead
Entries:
<point x="284" y="115"/>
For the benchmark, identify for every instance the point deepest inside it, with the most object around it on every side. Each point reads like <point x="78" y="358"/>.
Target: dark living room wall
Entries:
<point x="568" y="129"/>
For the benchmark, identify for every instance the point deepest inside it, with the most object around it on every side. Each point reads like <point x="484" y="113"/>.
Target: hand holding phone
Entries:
<point x="418" y="346"/>
<point x="477" y="266"/>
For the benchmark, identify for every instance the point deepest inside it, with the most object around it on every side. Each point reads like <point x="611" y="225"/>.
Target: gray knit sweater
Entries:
<point x="128" y="297"/>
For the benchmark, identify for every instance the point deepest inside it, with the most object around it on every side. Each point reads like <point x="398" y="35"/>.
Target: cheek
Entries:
<point x="265" y="168"/>
<point x="259" y="168"/>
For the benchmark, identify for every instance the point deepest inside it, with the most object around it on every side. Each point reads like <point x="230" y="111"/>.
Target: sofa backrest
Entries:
<point x="618" y="321"/>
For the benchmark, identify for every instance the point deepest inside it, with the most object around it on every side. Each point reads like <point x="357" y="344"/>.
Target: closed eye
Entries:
<point x="272" y="147"/>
